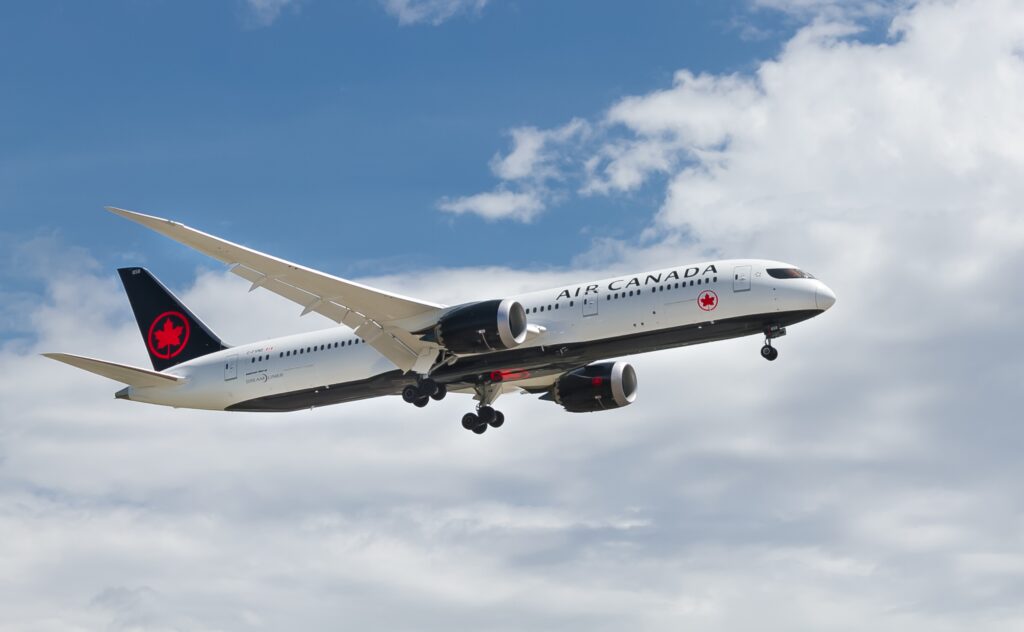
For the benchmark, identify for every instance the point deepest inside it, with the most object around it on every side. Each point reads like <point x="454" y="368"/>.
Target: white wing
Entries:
<point x="382" y="319"/>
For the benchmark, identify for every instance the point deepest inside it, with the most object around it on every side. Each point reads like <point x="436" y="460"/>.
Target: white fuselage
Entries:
<point x="618" y="307"/>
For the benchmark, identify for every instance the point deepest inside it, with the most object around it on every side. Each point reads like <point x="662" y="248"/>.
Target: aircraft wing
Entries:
<point x="123" y="373"/>
<point x="374" y="314"/>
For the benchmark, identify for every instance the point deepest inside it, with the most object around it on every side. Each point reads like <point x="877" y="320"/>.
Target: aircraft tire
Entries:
<point x="486" y="413"/>
<point x="499" y="419"/>
<point x="410" y="394"/>
<point x="421" y="402"/>
<point x="470" y="421"/>
<point x="428" y="387"/>
<point x="439" y="394"/>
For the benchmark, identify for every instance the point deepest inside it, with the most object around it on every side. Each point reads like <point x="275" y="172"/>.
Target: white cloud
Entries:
<point x="432" y="12"/>
<point x="535" y="159"/>
<point x="497" y="205"/>
<point x="536" y="153"/>
<point x="836" y="9"/>
<point x="265" y="12"/>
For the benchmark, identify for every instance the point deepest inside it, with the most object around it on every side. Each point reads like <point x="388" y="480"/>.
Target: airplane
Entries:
<point x="559" y="343"/>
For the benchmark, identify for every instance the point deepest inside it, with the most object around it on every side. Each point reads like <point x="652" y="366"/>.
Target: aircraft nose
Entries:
<point x="824" y="297"/>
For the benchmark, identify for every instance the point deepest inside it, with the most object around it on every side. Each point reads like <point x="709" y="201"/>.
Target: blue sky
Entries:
<point x="329" y="135"/>
<point x="868" y="479"/>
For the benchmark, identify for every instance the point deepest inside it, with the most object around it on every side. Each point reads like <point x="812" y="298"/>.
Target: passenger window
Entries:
<point x="571" y="303"/>
<point x="542" y="308"/>
<point x="698" y="281"/>
<point x="556" y="305"/>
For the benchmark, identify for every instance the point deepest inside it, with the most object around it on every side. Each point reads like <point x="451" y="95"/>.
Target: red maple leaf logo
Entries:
<point x="707" y="301"/>
<point x="169" y="336"/>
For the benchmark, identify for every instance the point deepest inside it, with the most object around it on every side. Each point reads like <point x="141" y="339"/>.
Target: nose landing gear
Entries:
<point x="768" y="352"/>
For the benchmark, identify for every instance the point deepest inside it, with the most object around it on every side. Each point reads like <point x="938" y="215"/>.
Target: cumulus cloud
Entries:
<point x="496" y="205"/>
<point x="433" y="12"/>
<point x="535" y="159"/>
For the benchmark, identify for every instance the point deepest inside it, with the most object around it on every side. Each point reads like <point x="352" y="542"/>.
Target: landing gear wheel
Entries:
<point x="470" y="421"/>
<point x="499" y="418"/>
<point x="482" y="428"/>
<point x="486" y="414"/>
<point x="439" y="393"/>
<point x="428" y="387"/>
<point x="421" y="402"/>
<point x="769" y="353"/>
<point x="410" y="394"/>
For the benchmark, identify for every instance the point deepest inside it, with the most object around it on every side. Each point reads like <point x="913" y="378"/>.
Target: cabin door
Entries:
<point x="231" y="368"/>
<point x="741" y="279"/>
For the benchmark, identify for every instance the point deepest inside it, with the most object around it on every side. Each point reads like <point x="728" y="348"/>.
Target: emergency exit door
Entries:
<point x="590" y="306"/>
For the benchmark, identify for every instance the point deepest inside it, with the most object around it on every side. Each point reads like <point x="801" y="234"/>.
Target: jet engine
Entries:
<point x="479" y="327"/>
<point x="598" y="386"/>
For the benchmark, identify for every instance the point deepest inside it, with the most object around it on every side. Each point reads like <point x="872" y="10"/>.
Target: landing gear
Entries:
<point x="485" y="415"/>
<point x="422" y="392"/>
<point x="410" y="394"/>
<point x="439" y="393"/>
<point x="768" y="352"/>
<point x="426" y="389"/>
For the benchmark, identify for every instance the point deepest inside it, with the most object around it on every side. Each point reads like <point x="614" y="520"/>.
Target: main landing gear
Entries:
<point x="768" y="352"/>
<point x="420" y="394"/>
<point x="426" y="389"/>
<point x="485" y="415"/>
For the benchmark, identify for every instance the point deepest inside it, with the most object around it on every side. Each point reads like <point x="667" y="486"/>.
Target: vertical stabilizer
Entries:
<point x="171" y="332"/>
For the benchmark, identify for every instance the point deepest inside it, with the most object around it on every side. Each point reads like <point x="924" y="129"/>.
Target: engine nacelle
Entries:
<point x="481" y="327"/>
<point x="598" y="386"/>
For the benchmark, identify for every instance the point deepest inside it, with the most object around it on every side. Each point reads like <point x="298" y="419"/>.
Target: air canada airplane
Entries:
<point x="558" y="343"/>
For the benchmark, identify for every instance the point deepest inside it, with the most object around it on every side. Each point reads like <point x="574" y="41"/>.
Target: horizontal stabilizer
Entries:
<point x="123" y="373"/>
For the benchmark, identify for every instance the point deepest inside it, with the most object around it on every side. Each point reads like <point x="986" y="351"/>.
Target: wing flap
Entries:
<point x="123" y="373"/>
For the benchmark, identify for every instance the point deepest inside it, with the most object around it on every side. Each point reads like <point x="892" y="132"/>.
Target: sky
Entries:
<point x="457" y="150"/>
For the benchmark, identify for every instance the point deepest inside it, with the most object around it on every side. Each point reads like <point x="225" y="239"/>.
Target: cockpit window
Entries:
<point x="788" y="273"/>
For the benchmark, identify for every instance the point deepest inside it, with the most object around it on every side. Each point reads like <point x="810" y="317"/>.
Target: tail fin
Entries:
<point x="172" y="333"/>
